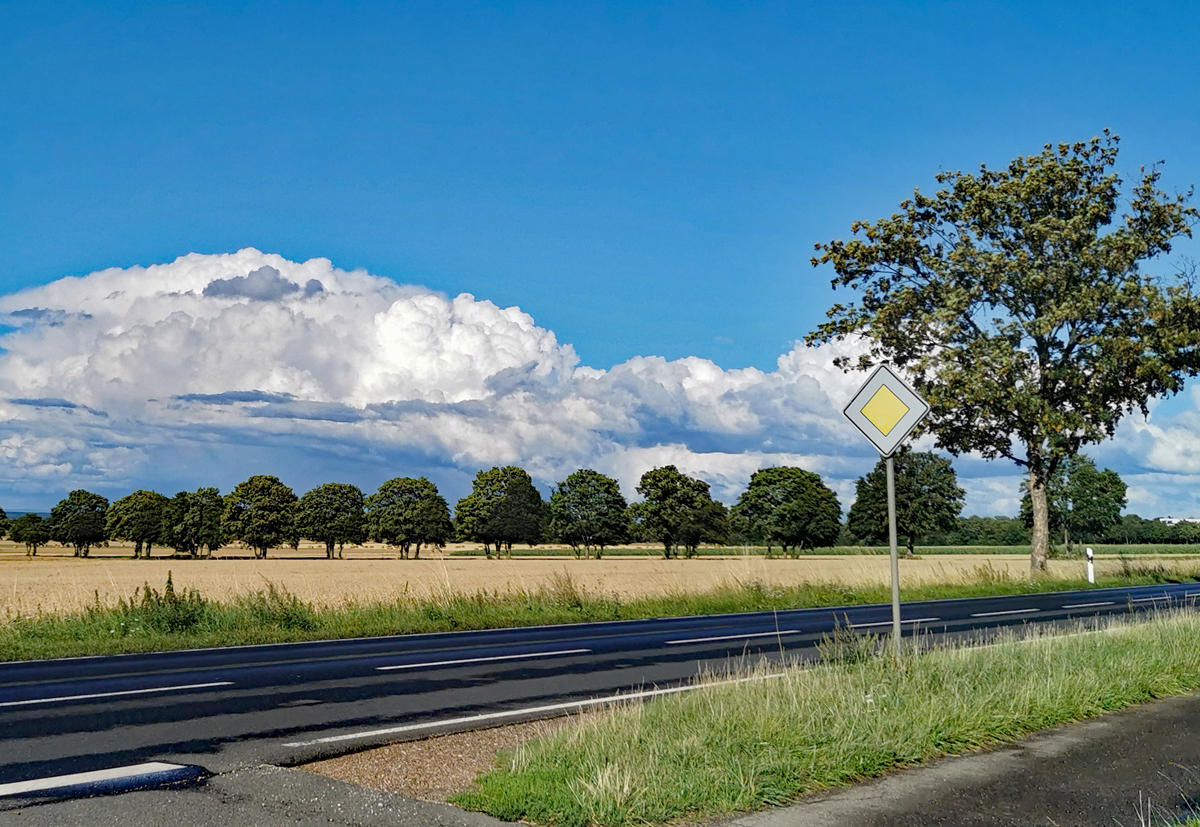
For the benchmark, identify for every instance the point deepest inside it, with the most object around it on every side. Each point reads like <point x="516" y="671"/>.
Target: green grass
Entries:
<point x="160" y="621"/>
<point x="731" y="748"/>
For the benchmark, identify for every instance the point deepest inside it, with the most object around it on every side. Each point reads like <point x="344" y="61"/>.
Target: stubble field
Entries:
<point x="56" y="583"/>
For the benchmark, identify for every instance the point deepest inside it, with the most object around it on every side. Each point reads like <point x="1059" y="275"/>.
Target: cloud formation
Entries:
<point x="264" y="284"/>
<point x="212" y="367"/>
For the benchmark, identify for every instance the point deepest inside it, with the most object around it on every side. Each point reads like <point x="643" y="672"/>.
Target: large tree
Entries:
<point x="31" y="530"/>
<point x="138" y="518"/>
<point x="503" y="508"/>
<point x="928" y="499"/>
<point x="677" y="510"/>
<point x="588" y="511"/>
<point x="192" y="522"/>
<point x="4" y="523"/>
<point x="1080" y="499"/>
<point x="332" y="514"/>
<point x="1016" y="302"/>
<point x="79" y="520"/>
<point x="261" y="512"/>
<point x="409" y="513"/>
<point x="791" y="508"/>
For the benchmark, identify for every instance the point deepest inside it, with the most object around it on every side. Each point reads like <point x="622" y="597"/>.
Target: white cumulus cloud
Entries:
<point x="213" y="367"/>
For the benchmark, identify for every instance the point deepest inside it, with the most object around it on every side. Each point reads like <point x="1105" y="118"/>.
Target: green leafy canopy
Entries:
<point x="1016" y="302"/>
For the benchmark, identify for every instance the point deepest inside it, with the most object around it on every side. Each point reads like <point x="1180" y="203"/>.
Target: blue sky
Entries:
<point x="640" y="179"/>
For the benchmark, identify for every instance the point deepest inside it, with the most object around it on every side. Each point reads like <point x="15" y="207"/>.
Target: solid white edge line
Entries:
<point x="733" y="637"/>
<point x="529" y="710"/>
<point x="1087" y="605"/>
<point x="1009" y="612"/>
<point x="1148" y="599"/>
<point x="889" y="623"/>
<point x="76" y="779"/>
<point x="116" y="694"/>
<point x="493" y="658"/>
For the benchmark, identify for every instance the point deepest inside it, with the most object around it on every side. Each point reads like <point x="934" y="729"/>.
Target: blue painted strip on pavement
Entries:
<point x="106" y="782"/>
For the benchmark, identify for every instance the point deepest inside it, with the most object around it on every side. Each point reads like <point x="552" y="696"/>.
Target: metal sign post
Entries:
<point x="886" y="410"/>
<point x="891" y="486"/>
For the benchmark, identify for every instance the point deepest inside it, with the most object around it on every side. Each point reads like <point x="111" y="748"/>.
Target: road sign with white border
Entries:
<point x="886" y="410"/>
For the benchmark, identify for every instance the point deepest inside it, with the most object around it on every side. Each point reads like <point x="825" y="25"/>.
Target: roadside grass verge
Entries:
<point x="725" y="749"/>
<point x="153" y="620"/>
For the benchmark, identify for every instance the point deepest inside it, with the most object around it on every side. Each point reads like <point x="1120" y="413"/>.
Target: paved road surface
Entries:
<point x="228" y="709"/>
<point x="1096" y="774"/>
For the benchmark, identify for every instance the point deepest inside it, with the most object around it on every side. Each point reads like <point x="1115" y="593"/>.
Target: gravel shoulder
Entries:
<point x="433" y="769"/>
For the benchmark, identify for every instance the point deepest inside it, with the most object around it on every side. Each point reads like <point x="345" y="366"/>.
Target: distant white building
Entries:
<point x="1174" y="520"/>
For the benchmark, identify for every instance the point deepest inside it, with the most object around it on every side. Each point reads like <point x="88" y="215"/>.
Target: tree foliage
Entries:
<point x="138" y="518"/>
<point x="588" y="511"/>
<point x="791" y="508"/>
<point x="503" y="508"/>
<point x="332" y="514"/>
<point x="79" y="521"/>
<point x="1016" y="302"/>
<point x="261" y="512"/>
<point x="928" y="499"/>
<point x="1081" y="500"/>
<point x="408" y="513"/>
<point x="981" y="531"/>
<point x="31" y="530"/>
<point x="193" y="522"/>
<point x="5" y="523"/>
<point x="677" y="510"/>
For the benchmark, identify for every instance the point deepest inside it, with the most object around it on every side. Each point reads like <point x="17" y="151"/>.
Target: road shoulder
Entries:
<point x="250" y="798"/>
<point x="1080" y="775"/>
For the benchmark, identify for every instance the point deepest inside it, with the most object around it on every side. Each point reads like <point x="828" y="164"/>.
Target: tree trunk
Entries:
<point x="1041" y="523"/>
<point x="908" y="554"/>
<point x="137" y="549"/>
<point x="329" y="549"/>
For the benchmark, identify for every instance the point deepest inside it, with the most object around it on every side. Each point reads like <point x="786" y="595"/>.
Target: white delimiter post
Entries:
<point x="891" y="486"/>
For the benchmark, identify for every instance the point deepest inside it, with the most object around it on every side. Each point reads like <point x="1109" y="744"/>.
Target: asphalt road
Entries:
<point x="227" y="709"/>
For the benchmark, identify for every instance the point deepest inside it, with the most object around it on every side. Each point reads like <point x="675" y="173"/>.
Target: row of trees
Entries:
<point x="789" y="507"/>
<point x="261" y="513"/>
<point x="784" y="507"/>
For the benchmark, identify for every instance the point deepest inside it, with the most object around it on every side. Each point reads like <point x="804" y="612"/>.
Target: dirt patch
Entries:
<point x="433" y="769"/>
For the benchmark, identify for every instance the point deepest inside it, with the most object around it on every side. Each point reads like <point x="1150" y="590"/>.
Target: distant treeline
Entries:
<point x="786" y="508"/>
<point x="1012" y="531"/>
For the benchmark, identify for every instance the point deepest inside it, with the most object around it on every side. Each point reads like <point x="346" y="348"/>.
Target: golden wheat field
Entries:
<point x="55" y="582"/>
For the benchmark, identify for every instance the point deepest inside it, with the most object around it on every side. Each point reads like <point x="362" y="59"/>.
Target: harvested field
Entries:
<point x="56" y="583"/>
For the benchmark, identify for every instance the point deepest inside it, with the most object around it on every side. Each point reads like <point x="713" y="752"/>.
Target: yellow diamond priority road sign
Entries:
<point x="886" y="410"/>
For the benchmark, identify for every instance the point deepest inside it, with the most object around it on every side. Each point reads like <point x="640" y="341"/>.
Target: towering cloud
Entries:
<point x="215" y="366"/>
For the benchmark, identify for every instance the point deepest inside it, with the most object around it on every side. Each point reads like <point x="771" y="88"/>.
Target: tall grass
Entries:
<point x="730" y="748"/>
<point x="156" y="621"/>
